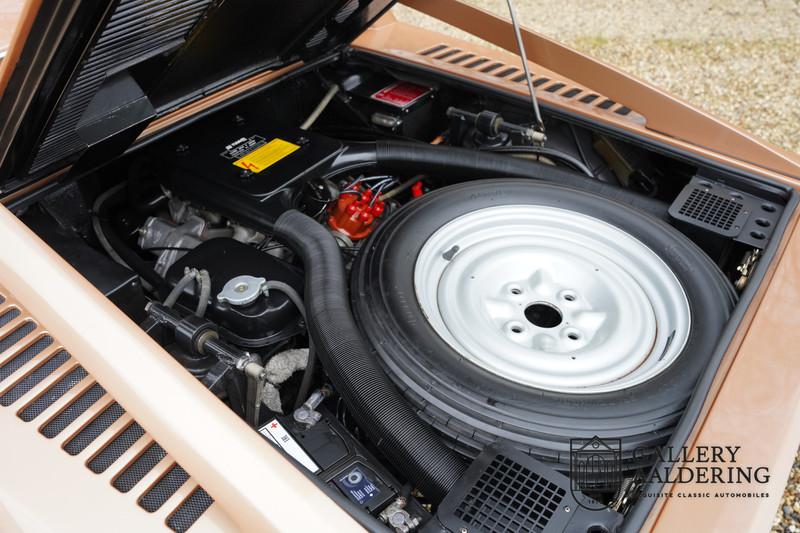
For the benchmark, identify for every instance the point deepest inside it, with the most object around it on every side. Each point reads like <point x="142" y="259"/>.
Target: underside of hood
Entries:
<point x="120" y="64"/>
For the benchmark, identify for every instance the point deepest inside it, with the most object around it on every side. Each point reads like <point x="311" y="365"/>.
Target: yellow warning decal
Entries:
<point x="266" y="156"/>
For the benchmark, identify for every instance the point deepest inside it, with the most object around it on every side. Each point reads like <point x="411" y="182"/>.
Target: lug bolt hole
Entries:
<point x="516" y="329"/>
<point x="573" y="336"/>
<point x="516" y="290"/>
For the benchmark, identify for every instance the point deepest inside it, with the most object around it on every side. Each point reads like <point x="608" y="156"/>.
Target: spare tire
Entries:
<point x="532" y="313"/>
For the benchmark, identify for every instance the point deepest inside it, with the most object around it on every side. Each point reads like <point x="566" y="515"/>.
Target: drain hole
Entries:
<point x="543" y="315"/>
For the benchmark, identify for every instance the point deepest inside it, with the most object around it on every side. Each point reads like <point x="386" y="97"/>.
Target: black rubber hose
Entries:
<point x="448" y="162"/>
<point x="129" y="256"/>
<point x="375" y="403"/>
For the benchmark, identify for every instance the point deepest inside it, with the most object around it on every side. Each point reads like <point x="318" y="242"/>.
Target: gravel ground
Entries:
<point x="737" y="59"/>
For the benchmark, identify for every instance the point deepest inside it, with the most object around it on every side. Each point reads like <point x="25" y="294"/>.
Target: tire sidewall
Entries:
<point x="434" y="374"/>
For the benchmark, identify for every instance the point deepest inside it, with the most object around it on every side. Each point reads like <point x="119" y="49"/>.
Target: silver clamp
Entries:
<point x="397" y="518"/>
<point x="307" y="414"/>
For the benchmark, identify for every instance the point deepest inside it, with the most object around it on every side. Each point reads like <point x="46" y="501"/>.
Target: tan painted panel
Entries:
<point x="42" y="487"/>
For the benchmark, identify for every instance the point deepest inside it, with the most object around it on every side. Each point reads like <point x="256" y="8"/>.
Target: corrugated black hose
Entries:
<point x="454" y="163"/>
<point x="375" y="403"/>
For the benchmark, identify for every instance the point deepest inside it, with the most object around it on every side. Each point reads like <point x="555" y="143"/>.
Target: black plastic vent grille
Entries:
<point x="93" y="429"/>
<point x="153" y="499"/>
<point x="510" y="497"/>
<point x="17" y="335"/>
<point x="189" y="511"/>
<point x="711" y="209"/>
<point x="34" y="378"/>
<point x="135" y="30"/>
<point x="723" y="211"/>
<point x="23" y="357"/>
<point x="79" y="406"/>
<point x="114" y="450"/>
<point x="51" y="395"/>
<point x="139" y="468"/>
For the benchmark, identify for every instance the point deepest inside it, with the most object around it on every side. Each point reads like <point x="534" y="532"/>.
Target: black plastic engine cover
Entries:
<point x="270" y="318"/>
<point x="242" y="165"/>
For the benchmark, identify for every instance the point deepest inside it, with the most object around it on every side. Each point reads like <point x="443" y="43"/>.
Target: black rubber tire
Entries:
<point x="471" y="407"/>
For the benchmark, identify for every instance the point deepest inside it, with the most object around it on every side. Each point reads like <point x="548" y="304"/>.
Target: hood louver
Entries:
<point x="471" y="61"/>
<point x="136" y="30"/>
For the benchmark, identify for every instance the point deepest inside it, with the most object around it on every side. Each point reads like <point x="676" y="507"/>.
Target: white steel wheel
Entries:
<point x="551" y="298"/>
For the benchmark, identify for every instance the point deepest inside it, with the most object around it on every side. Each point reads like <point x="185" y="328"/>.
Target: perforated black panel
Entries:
<point x="139" y="468"/>
<point x="8" y="316"/>
<point x="114" y="450"/>
<point x="510" y="497"/>
<point x="159" y="493"/>
<point x="711" y="209"/>
<point x="34" y="378"/>
<point x="93" y="429"/>
<point x="17" y="335"/>
<point x="73" y="411"/>
<point x="49" y="397"/>
<point x="189" y="511"/>
<point x="24" y="356"/>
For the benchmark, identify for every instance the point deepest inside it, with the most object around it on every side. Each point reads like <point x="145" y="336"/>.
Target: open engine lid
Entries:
<point x="117" y="65"/>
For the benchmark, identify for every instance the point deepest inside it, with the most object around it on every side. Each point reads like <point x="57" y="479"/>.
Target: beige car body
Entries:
<point x="754" y="402"/>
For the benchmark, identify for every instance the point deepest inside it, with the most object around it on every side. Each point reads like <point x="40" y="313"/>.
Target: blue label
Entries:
<point x="358" y="486"/>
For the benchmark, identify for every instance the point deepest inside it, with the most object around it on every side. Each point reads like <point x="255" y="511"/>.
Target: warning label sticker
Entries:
<point x="274" y="431"/>
<point x="265" y="156"/>
<point x="401" y="94"/>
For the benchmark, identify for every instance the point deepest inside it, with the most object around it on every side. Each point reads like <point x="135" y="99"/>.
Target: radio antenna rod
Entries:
<point x="540" y="137"/>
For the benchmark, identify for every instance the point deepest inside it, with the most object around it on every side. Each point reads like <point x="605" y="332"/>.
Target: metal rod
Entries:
<point x="524" y="57"/>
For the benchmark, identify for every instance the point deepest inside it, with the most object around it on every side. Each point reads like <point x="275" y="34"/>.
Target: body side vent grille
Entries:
<point x="43" y="382"/>
<point x="190" y="510"/>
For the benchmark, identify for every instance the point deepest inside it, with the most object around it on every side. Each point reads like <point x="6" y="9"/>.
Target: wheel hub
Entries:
<point x="552" y="299"/>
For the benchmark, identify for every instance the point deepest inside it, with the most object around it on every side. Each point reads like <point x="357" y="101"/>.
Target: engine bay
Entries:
<point x="401" y="285"/>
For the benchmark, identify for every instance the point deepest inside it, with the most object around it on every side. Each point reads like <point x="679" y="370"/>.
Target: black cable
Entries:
<point x="308" y="375"/>
<point x="163" y="248"/>
<point x="578" y="146"/>
<point x="129" y="256"/>
<point x="543" y="151"/>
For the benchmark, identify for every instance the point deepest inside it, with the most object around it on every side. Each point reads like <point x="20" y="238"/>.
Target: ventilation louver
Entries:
<point x="135" y="30"/>
<point x="513" y="74"/>
<point x="727" y="212"/>
<point x="49" y="389"/>
<point x="504" y="490"/>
